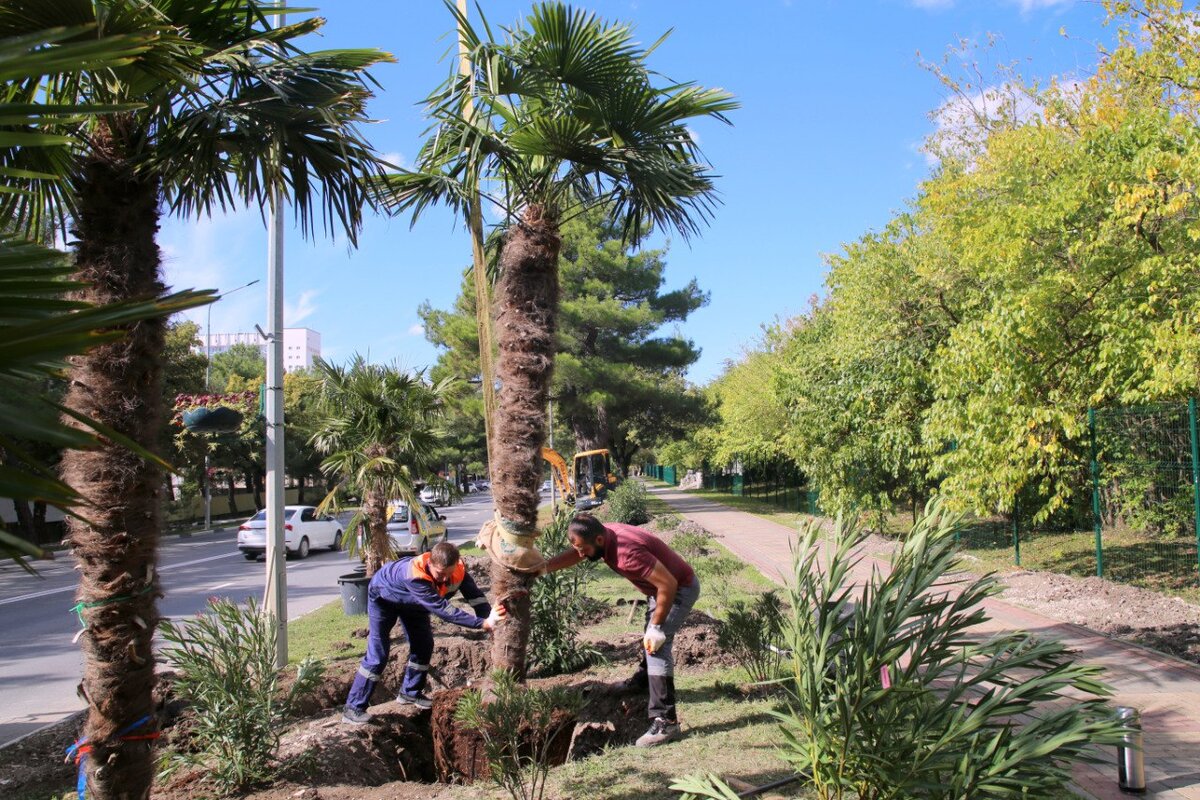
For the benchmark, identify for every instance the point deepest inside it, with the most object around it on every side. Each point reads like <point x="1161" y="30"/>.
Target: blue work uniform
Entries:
<point x="405" y="590"/>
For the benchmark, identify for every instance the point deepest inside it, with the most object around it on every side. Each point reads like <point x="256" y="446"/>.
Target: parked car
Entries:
<point x="435" y="495"/>
<point x="482" y="486"/>
<point x="546" y="487"/>
<point x="415" y="533"/>
<point x="303" y="529"/>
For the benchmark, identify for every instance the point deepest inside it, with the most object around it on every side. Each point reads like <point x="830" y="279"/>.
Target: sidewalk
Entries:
<point x="1165" y="689"/>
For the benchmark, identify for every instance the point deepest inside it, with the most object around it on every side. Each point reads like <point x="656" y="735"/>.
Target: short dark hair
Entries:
<point x="586" y="527"/>
<point x="444" y="554"/>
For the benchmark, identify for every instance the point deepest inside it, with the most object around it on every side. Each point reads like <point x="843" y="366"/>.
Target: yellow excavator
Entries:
<point x="593" y="476"/>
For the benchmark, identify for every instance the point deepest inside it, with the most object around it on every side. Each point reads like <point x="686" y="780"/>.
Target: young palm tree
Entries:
<point x="376" y="429"/>
<point x="222" y="108"/>
<point x="566" y="115"/>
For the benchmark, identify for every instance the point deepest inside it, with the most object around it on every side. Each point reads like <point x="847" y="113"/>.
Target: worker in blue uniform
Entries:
<point x="408" y="591"/>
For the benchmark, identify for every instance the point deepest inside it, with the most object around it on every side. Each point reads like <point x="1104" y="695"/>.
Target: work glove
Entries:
<point x="654" y="638"/>
<point x="495" y="618"/>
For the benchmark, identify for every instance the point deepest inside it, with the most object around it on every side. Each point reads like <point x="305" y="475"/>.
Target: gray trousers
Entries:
<point x="660" y="666"/>
<point x="663" y="662"/>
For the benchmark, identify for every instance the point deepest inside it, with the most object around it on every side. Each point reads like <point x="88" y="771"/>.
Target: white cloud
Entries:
<point x="305" y="307"/>
<point x="416" y="330"/>
<point x="394" y="157"/>
<point x="963" y="122"/>
<point x="208" y="253"/>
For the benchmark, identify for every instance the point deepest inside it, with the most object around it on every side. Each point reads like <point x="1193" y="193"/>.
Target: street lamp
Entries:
<point x="207" y="387"/>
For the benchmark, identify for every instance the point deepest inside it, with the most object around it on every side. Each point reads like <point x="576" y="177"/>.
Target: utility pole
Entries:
<point x="208" y="388"/>
<point x="275" y="601"/>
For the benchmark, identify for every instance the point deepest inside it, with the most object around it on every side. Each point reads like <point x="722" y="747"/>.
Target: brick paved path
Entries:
<point x="1165" y="689"/>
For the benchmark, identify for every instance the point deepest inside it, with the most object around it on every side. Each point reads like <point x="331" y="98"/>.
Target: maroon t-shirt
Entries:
<point x="631" y="552"/>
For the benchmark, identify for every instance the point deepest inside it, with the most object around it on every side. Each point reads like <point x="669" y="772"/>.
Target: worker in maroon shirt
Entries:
<point x="671" y="589"/>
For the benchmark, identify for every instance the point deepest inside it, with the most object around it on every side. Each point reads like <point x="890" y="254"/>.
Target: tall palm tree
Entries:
<point x="376" y="429"/>
<point x="222" y="109"/>
<point x="566" y="115"/>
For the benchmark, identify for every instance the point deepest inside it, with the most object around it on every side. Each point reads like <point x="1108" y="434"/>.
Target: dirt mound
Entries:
<point x="395" y="746"/>
<point x="695" y="645"/>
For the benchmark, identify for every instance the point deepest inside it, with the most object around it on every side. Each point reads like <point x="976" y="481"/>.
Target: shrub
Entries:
<point x="518" y="727"/>
<point x="557" y="604"/>
<point x="893" y="695"/>
<point x="692" y="544"/>
<point x="627" y="503"/>
<point x="226" y="661"/>
<point x="715" y="572"/>
<point x="668" y="521"/>
<point x="753" y="634"/>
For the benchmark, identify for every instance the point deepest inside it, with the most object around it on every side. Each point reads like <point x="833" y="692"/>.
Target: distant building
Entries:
<point x="300" y="346"/>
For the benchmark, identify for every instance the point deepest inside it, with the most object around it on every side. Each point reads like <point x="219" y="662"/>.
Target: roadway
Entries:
<point x="40" y="665"/>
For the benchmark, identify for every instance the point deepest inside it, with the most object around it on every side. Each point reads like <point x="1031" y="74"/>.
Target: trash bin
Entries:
<point x="1131" y="769"/>
<point x="354" y="593"/>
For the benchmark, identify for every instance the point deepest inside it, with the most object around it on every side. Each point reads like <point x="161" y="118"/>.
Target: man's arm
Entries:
<point x="565" y="559"/>
<point x="475" y="598"/>
<point x="667" y="586"/>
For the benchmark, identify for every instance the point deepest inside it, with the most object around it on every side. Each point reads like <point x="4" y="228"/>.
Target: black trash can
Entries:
<point x="354" y="593"/>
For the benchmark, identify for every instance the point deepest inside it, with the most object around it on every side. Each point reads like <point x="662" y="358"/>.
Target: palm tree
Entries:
<point x="565" y="116"/>
<point x="376" y="429"/>
<point x="41" y="325"/>
<point x="220" y="109"/>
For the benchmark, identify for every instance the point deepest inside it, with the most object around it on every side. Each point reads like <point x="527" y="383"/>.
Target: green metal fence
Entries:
<point x="779" y="484"/>
<point x="1133" y="517"/>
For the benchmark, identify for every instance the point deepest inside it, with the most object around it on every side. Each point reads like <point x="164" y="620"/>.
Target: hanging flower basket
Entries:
<point x="218" y="419"/>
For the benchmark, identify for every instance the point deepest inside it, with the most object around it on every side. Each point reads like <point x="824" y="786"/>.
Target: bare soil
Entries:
<point x="1127" y="613"/>
<point x="1161" y="622"/>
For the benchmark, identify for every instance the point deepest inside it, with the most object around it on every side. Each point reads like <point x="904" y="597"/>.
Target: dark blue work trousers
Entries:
<point x="382" y="616"/>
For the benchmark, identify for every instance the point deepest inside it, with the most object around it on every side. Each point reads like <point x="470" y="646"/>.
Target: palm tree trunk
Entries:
<point x="526" y="315"/>
<point x="375" y="509"/>
<point x="120" y="385"/>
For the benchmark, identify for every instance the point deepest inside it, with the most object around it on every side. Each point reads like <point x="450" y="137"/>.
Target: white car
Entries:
<point x="303" y="529"/>
<point x="415" y="536"/>
<point x="435" y="496"/>
<point x="546" y="487"/>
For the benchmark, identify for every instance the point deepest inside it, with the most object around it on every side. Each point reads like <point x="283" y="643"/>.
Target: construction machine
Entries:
<point x="593" y="476"/>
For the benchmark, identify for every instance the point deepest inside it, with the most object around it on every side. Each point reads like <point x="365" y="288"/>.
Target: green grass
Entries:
<point x="325" y="634"/>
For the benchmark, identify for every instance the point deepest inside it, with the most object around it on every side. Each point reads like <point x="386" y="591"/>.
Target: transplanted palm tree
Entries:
<point x="377" y="430"/>
<point x="565" y="115"/>
<point x="220" y="109"/>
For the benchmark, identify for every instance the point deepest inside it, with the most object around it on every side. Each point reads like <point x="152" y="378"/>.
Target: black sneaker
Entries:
<point x="419" y="700"/>
<point x="354" y="716"/>
<point x="661" y="731"/>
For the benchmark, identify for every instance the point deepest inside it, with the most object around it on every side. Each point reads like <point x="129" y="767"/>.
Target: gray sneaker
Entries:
<point x="661" y="731"/>
<point x="418" y="700"/>
<point x="354" y="716"/>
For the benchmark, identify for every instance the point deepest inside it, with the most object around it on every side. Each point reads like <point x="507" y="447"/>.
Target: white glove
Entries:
<point x="654" y="638"/>
<point x="495" y="618"/>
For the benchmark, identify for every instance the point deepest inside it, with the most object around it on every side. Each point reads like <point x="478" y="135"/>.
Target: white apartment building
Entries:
<point x="300" y="345"/>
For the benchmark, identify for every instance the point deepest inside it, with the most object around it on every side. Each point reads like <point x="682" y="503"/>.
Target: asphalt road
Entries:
<point x="40" y="666"/>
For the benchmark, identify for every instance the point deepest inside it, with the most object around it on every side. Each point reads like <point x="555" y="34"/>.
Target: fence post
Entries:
<point x="1195" y="477"/>
<point x="1017" y="530"/>
<point x="1096" y="495"/>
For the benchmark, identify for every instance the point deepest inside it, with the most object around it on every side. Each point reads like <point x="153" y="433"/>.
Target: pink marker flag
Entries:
<point x="885" y="677"/>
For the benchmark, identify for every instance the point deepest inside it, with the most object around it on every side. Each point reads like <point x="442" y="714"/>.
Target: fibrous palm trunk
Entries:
<point x="526" y="314"/>
<point x="118" y="384"/>
<point x="375" y="511"/>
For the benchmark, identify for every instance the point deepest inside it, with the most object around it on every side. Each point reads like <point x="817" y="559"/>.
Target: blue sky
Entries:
<point x="835" y="107"/>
